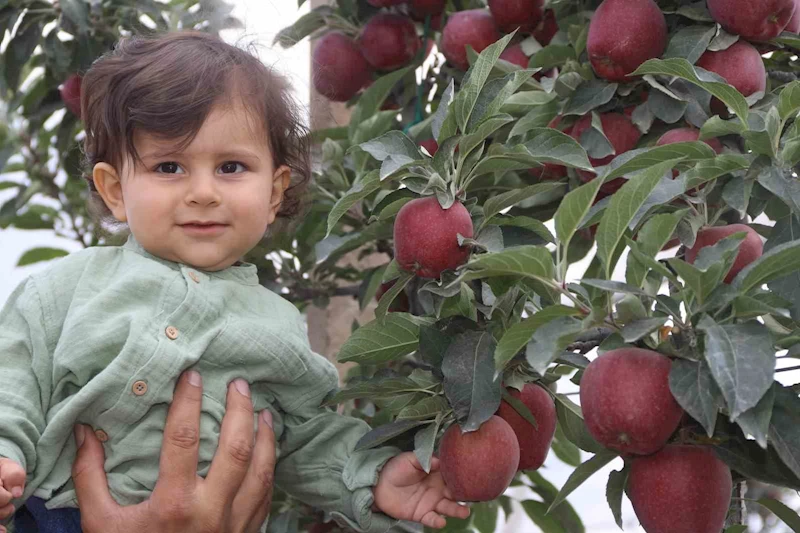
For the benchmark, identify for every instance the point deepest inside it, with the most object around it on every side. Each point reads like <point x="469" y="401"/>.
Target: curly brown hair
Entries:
<point x="166" y="85"/>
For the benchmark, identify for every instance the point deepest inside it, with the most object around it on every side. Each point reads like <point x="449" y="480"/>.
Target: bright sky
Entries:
<point x="263" y="19"/>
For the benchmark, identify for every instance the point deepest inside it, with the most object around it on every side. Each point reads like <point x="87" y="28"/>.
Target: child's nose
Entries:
<point x="203" y="190"/>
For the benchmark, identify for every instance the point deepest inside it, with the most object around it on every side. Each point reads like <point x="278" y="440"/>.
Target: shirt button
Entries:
<point x="101" y="435"/>
<point x="194" y="277"/>
<point x="140" y="388"/>
<point x="172" y="332"/>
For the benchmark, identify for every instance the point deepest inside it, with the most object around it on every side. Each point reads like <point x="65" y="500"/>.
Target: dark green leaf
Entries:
<point x="784" y="428"/>
<point x="550" y="340"/>
<point x="383" y="340"/>
<point x="637" y="329"/>
<point x="782" y="511"/>
<point x="588" y="96"/>
<point x="539" y="514"/>
<point x="379" y="435"/>
<point x="533" y="262"/>
<point x="694" y="389"/>
<point x="570" y="417"/>
<point x="424" y="441"/>
<point x="614" y="490"/>
<point x="36" y="255"/>
<point x="789" y="102"/>
<point x="755" y="422"/>
<point x="485" y="516"/>
<point x="518" y="335"/>
<point x="498" y="203"/>
<point x="553" y="55"/>
<point x="776" y="263"/>
<point x="689" y="43"/>
<point x="362" y="187"/>
<point x="581" y="474"/>
<point x="573" y="209"/>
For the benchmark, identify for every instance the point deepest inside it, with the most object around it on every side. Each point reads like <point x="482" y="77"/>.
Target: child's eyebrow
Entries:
<point x="227" y="154"/>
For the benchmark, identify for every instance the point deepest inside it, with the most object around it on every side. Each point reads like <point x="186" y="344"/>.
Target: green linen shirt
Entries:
<point x="101" y="337"/>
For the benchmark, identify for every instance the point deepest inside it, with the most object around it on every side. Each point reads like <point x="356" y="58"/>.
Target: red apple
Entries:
<point x="322" y="527"/>
<point x="626" y="401"/>
<point x="623" y="34"/>
<point x="386" y="3"/>
<point x="679" y="135"/>
<point x="621" y="133"/>
<point x="400" y="303"/>
<point x="426" y="237"/>
<point x="534" y="443"/>
<point x="681" y="489"/>
<point x="510" y="15"/>
<point x="422" y="8"/>
<point x="339" y="69"/>
<point x="70" y="92"/>
<point x="740" y="65"/>
<point x="759" y="21"/>
<point x="546" y="29"/>
<point x="474" y="27"/>
<point x="478" y="466"/>
<point x="751" y="248"/>
<point x="514" y="54"/>
<point x="430" y="145"/>
<point x="389" y="41"/>
<point x="794" y="23"/>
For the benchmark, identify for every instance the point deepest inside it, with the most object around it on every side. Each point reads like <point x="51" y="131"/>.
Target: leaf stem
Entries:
<point x="787" y="369"/>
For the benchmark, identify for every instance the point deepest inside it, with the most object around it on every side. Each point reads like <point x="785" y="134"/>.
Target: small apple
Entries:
<point x="389" y="41"/>
<point x="70" y="92"/>
<point x="740" y="65"/>
<point x="478" y="466"/>
<point x="474" y="27"/>
<point x="430" y="145"/>
<point x="751" y="248"/>
<point x="534" y="442"/>
<point x="758" y="21"/>
<point x="623" y="34"/>
<point x="680" y="489"/>
<point x="426" y="237"/>
<point x="339" y="68"/>
<point x="522" y="15"/>
<point x="546" y="29"/>
<point x="626" y="401"/>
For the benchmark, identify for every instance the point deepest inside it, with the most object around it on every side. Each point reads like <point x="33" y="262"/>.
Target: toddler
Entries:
<point x="192" y="144"/>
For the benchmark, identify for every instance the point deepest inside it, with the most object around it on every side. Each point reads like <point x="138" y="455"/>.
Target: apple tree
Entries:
<point x="598" y="197"/>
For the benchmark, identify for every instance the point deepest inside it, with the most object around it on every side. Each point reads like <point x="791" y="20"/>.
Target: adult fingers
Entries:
<point x="179" y="451"/>
<point x="91" y="485"/>
<point x="254" y="498"/>
<point x="235" y="448"/>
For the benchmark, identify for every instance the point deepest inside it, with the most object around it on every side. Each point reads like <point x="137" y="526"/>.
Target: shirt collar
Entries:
<point x="245" y="273"/>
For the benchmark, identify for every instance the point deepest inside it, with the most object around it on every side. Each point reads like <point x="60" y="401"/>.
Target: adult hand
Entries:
<point x="235" y="497"/>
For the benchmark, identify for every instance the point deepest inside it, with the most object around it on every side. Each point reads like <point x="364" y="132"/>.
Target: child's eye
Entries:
<point x="230" y="167"/>
<point x="170" y="167"/>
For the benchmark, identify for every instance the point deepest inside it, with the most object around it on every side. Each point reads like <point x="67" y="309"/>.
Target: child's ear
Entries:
<point x="280" y="182"/>
<point x="109" y="185"/>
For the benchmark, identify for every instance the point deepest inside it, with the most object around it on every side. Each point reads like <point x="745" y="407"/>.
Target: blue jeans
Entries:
<point x="35" y="518"/>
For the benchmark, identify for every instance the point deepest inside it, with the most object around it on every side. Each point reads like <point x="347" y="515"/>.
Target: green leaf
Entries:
<point x="438" y="118"/>
<point x="379" y="435"/>
<point x="533" y="262"/>
<point x="77" y="11"/>
<point x="784" y="427"/>
<point x="564" y="449"/>
<point x="762" y="137"/>
<point x="393" y="292"/>
<point x="539" y="515"/>
<point x="750" y="460"/>
<point x="518" y="335"/>
<point x="710" y="266"/>
<point x="362" y="187"/>
<point x="469" y="382"/>
<point x="549" y="341"/>
<point x="485" y="516"/>
<point x="789" y="101"/>
<point x="742" y="360"/>
<point x="755" y="421"/>
<point x="573" y="209"/>
<point x="717" y="127"/>
<point x="303" y="27"/>
<point x="588" y="96"/>
<point x="538" y="117"/>
<point x="617" y="480"/>
<point x="655" y="233"/>
<point x="393" y="148"/>
<point x="570" y="417"/>
<point x="375" y="388"/>
<point x="782" y="184"/>
<point x="476" y="78"/>
<point x="424" y="441"/>
<point x="786" y="229"/>
<point x="548" y="145"/>
<point x="496" y="204"/>
<point x="36" y="255"/>
<point x="681" y="68"/>
<point x="481" y="133"/>
<point x="693" y="387"/>
<point x="372" y="98"/>
<point x="384" y="340"/>
<point x="494" y="94"/>
<point x="426" y="409"/>
<point x="536" y="226"/>
<point x="637" y="329"/>
<point x="689" y="43"/>
<point x="776" y="263"/>
<point x="552" y="55"/>
<point x="787" y="515"/>
<point x="581" y="474"/>
<point x="19" y="51"/>
<point x="623" y="207"/>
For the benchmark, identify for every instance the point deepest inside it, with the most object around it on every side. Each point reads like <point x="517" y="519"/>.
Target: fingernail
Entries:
<point x="80" y="435"/>
<point x="266" y="415"/>
<point x="195" y="379"/>
<point x="16" y="492"/>
<point x="242" y="386"/>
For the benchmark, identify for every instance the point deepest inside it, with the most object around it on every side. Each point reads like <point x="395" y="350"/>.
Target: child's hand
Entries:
<point x="12" y="483"/>
<point x="404" y="491"/>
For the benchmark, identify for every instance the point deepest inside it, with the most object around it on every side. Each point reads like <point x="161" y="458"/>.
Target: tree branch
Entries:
<point x="738" y="512"/>
<point x="590" y="339"/>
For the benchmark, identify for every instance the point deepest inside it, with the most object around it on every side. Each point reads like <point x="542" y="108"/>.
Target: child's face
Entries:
<point x="206" y="206"/>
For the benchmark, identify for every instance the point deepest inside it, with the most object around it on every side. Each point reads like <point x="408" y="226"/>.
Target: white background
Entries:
<point x="263" y="19"/>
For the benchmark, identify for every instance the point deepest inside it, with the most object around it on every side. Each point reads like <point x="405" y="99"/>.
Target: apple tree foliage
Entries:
<point x="541" y="277"/>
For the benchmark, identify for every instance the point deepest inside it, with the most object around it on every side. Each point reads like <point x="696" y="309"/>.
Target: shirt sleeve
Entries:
<point x="318" y="463"/>
<point x="23" y="346"/>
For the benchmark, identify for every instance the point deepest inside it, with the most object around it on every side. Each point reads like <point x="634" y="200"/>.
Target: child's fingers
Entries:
<point x="6" y="511"/>
<point x="12" y="477"/>
<point x="451" y="508"/>
<point x="431" y="519"/>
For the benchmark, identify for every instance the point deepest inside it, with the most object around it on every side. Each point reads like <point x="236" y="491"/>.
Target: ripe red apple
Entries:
<point x="515" y="55"/>
<point x="339" y="68"/>
<point x="679" y="135"/>
<point x="425" y="237"/>
<point x="681" y="489"/>
<point x="759" y="21"/>
<point x="534" y="443"/>
<point x="740" y="65"/>
<point x="478" y="466"/>
<point x="546" y="29"/>
<point x="751" y="248"/>
<point x="623" y="34"/>
<point x="430" y="145"/>
<point x="386" y="3"/>
<point x="400" y="304"/>
<point x="550" y="171"/>
<point x="421" y="8"/>
<point x="474" y="27"/>
<point x="70" y="92"/>
<point x="389" y="41"/>
<point x="794" y="22"/>
<point x="626" y="401"/>
<point x="621" y="133"/>
<point x="322" y="527"/>
<point x="512" y="14"/>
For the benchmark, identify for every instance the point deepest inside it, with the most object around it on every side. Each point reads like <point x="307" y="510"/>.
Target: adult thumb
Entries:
<point x="91" y="484"/>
